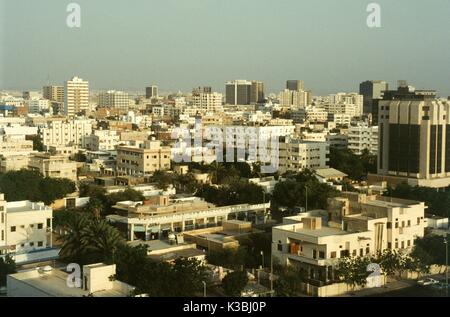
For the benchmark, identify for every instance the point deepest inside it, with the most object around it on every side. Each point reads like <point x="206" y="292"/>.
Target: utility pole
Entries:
<point x="204" y="288"/>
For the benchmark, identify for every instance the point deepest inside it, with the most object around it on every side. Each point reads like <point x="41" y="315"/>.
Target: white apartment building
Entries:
<point x="9" y="100"/>
<point x="13" y="163"/>
<point x="55" y="166"/>
<point x="25" y="228"/>
<point x="345" y="103"/>
<point x="316" y="114"/>
<point x="354" y="225"/>
<point x="18" y="130"/>
<point x="38" y="105"/>
<point x="337" y="140"/>
<point x="76" y="96"/>
<point x="15" y="145"/>
<point x="114" y="99"/>
<point x="159" y="216"/>
<point x="296" y="155"/>
<point x="70" y="132"/>
<point x="340" y="119"/>
<point x="101" y="140"/>
<point x="363" y="137"/>
<point x="207" y="101"/>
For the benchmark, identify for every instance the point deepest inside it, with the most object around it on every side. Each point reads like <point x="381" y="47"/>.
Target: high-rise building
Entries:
<point x="76" y="96"/>
<point x="114" y="99"/>
<point x="294" y="98"/>
<point x="257" y="92"/>
<point x="204" y="99"/>
<point x="372" y="90"/>
<point x="295" y="85"/>
<point x="238" y="92"/>
<point x="53" y="93"/>
<point x="414" y="140"/>
<point x="151" y="92"/>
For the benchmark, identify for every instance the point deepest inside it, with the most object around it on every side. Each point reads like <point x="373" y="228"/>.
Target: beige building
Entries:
<point x="13" y="163"/>
<point x="144" y="159"/>
<point x="54" y="166"/>
<point x="15" y="145"/>
<point x="354" y="225"/>
<point x="53" y="93"/>
<point x="76" y="96"/>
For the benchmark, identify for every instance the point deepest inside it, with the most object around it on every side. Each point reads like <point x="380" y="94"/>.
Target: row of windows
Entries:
<point x="39" y="226"/>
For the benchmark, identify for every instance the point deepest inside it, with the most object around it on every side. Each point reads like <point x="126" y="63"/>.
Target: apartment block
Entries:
<point x="62" y="132"/>
<point x="25" y="228"/>
<point x="101" y="140"/>
<point x="11" y="145"/>
<point x="355" y="225"/>
<point x="144" y="159"/>
<point x="54" y="166"/>
<point x="76" y="96"/>
<point x="114" y="99"/>
<point x="296" y="155"/>
<point x="53" y="93"/>
<point x="363" y="137"/>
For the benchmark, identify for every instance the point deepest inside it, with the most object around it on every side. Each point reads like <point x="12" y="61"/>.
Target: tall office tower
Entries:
<point x="114" y="99"/>
<point x="295" y="85"/>
<point x="257" y="92"/>
<point x="372" y="90"/>
<point x="53" y="93"/>
<point x="414" y="140"/>
<point x="238" y="92"/>
<point x="151" y="92"/>
<point x="76" y="96"/>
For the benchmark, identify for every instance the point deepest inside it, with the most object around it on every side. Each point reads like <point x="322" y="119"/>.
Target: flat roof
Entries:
<point x="54" y="283"/>
<point x="329" y="172"/>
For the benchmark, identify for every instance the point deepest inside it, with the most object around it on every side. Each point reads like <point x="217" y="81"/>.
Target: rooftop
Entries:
<point x="26" y="205"/>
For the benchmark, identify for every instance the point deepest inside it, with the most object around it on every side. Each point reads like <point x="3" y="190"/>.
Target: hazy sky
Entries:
<point x="181" y="44"/>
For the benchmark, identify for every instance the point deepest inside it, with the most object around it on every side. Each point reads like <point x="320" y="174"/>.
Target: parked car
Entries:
<point x="428" y="281"/>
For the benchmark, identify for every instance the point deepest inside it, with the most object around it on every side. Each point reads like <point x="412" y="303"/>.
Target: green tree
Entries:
<point x="234" y="283"/>
<point x="163" y="179"/>
<point x="288" y="282"/>
<point x="7" y="266"/>
<point x="353" y="270"/>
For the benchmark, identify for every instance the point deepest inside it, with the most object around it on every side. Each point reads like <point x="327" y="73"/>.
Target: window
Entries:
<point x="40" y="225"/>
<point x="31" y="244"/>
<point x="361" y="252"/>
<point x="321" y="255"/>
<point x="40" y="243"/>
<point x="389" y="225"/>
<point x="314" y="254"/>
<point x="403" y="244"/>
<point x="409" y="223"/>
<point x="49" y="222"/>
<point x="13" y="229"/>
<point x="333" y="255"/>
<point x="280" y="247"/>
<point x="367" y="250"/>
<point x="389" y="245"/>
<point x="408" y="243"/>
<point x="396" y="225"/>
<point x="418" y="220"/>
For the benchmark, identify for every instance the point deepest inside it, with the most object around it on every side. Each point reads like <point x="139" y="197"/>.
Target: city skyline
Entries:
<point x="328" y="45"/>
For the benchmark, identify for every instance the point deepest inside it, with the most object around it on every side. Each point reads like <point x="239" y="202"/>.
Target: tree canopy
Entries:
<point x="32" y="185"/>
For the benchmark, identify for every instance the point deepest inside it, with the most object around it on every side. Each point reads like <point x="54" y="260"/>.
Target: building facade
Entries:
<point x="76" y="96"/>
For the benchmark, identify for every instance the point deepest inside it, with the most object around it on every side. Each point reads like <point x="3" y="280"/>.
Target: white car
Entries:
<point x="428" y="281"/>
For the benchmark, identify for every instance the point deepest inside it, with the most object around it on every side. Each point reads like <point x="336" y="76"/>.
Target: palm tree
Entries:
<point x="74" y="244"/>
<point x="102" y="240"/>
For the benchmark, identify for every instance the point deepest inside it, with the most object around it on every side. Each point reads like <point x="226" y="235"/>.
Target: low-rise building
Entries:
<point x="55" y="166"/>
<point x="157" y="217"/>
<point x="96" y="281"/>
<point x="26" y="231"/>
<point x="363" y="137"/>
<point x="144" y="159"/>
<point x="353" y="225"/>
